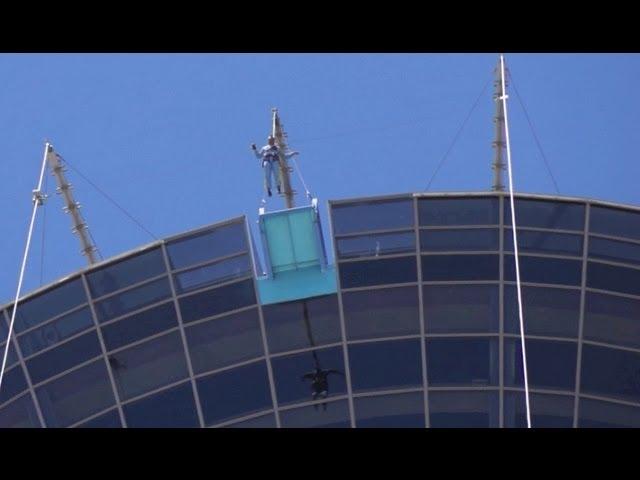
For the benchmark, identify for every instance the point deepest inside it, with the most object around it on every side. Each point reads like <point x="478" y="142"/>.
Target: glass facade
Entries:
<point x="423" y="330"/>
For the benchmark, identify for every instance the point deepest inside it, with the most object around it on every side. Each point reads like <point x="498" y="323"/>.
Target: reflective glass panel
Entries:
<point x="462" y="361"/>
<point x="614" y="222"/>
<point x="617" y="279"/>
<point x="547" y="411"/>
<point x="464" y="409"/>
<point x="4" y="328"/>
<point x="598" y="414"/>
<point x="375" y="215"/>
<point x="378" y="272"/>
<point x="130" y="300"/>
<point x="458" y="211"/>
<point x="613" y="250"/>
<point x="63" y="357"/>
<point x="551" y="312"/>
<point x="461" y="308"/>
<point x="234" y="393"/>
<point x="550" y="365"/>
<point x="56" y="331"/>
<point x="148" y="366"/>
<point x="459" y="240"/>
<point x="336" y="415"/>
<point x="612" y="319"/>
<point x="214" y="243"/>
<point x="302" y="324"/>
<point x="12" y="357"/>
<point x="126" y="272"/>
<point x="376" y="245"/>
<point x="173" y="408"/>
<point x="225" y="341"/>
<point x="217" y="301"/>
<point x="546" y="214"/>
<point x="110" y="419"/>
<point x="139" y="326"/>
<point x="21" y="413"/>
<point x="211" y="274"/>
<point x="381" y="313"/>
<point x="309" y="376"/>
<point x="544" y="270"/>
<point x="49" y="304"/>
<point x="385" y="365"/>
<point x="75" y="396"/>
<point x="265" y="421"/>
<point x="610" y="372"/>
<point x="460" y="267"/>
<point x="13" y="383"/>
<point x="544" y="242"/>
<point x="405" y="410"/>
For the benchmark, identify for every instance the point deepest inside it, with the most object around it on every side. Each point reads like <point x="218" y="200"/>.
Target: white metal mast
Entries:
<point x="499" y="143"/>
<point x="280" y="137"/>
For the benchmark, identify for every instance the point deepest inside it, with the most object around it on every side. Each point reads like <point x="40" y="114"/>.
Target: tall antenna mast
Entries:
<point x="280" y="136"/>
<point x="499" y="143"/>
<point x="71" y="206"/>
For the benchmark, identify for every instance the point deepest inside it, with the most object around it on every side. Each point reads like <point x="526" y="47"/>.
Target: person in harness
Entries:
<point x="319" y="384"/>
<point x="270" y="156"/>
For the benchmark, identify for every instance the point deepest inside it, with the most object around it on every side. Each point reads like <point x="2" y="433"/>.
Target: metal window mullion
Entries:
<point x="25" y="371"/>
<point x="421" y="317"/>
<point x="183" y="337"/>
<point x="501" y="315"/>
<point x="585" y="250"/>
<point x="103" y="349"/>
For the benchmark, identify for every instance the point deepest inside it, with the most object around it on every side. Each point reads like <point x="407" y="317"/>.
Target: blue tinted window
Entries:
<point x="552" y="312"/>
<point x="218" y="272"/>
<point x="598" y="414"/>
<point x="614" y="250"/>
<point x="459" y="240"/>
<point x="265" y="421"/>
<point x="217" y="301"/>
<point x="461" y="308"/>
<point x="4" y="328"/>
<point x="298" y="376"/>
<point x="148" y="366"/>
<point x="215" y="243"/>
<point x="302" y="324"/>
<point x="381" y="313"/>
<point x="544" y="242"/>
<point x="610" y="372"/>
<point x="139" y="326"/>
<point x="20" y="413"/>
<point x="126" y="272"/>
<point x="385" y="365"/>
<point x="234" y="393"/>
<point x="376" y="245"/>
<point x="336" y="415"/>
<point x="609" y="277"/>
<point x="65" y="356"/>
<point x="173" y="408"/>
<point x="377" y="272"/>
<point x="464" y="409"/>
<point x="12" y="357"/>
<point x="614" y="222"/>
<point x="545" y="214"/>
<point x="75" y="396"/>
<point x="110" y="419"/>
<point x="49" y="304"/>
<point x="13" y="383"/>
<point x="390" y="411"/>
<point x="130" y="300"/>
<point x="544" y="270"/>
<point x="550" y="365"/>
<point x="375" y="215"/>
<point x="56" y="331"/>
<point x="458" y="211"/>
<point x="611" y="319"/>
<point x="547" y="411"/>
<point x="462" y="361"/>
<point x="460" y="267"/>
<point x="224" y="341"/>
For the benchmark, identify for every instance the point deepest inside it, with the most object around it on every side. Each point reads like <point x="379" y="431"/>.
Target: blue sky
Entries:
<point x="168" y="135"/>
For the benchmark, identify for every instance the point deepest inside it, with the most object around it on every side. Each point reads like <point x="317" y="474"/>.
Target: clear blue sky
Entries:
<point x="168" y="135"/>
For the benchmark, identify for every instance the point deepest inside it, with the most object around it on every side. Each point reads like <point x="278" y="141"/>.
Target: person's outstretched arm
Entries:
<point x="291" y="154"/>
<point x="257" y="153"/>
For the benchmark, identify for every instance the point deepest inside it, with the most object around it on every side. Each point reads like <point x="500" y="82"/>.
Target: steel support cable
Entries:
<point x="455" y="138"/>
<point x="299" y="172"/>
<point x="535" y="136"/>
<point x="44" y="227"/>
<point x="37" y="201"/>
<point x="515" y="246"/>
